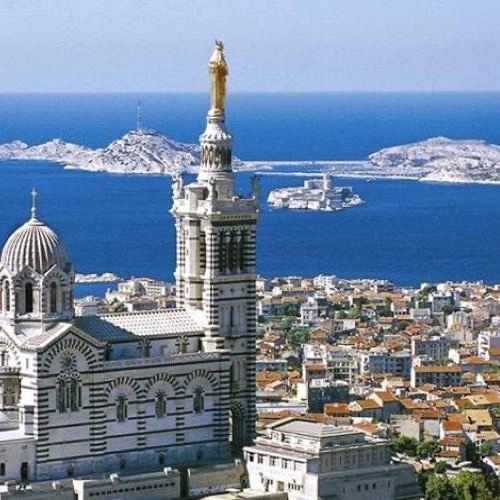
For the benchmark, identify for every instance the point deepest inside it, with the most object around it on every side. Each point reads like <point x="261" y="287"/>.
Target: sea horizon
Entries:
<point x="407" y="232"/>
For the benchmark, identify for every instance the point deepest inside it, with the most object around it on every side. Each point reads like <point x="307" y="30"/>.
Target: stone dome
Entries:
<point x="34" y="245"/>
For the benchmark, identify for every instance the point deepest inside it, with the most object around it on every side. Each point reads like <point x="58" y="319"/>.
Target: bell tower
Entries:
<point x="215" y="272"/>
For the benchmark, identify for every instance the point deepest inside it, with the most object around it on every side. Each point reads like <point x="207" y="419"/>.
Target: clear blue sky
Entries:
<point x="271" y="45"/>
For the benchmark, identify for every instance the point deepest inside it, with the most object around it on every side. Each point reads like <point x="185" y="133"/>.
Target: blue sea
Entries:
<point x="406" y="231"/>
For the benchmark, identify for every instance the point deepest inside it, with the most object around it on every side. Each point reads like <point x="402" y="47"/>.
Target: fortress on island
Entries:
<point x="316" y="194"/>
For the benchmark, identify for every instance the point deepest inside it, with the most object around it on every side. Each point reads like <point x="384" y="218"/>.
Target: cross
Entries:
<point x="33" y="203"/>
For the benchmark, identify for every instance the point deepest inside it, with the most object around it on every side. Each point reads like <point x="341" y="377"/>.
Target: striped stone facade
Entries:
<point x="215" y="273"/>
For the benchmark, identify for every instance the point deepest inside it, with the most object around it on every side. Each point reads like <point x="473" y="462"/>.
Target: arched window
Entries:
<point x="160" y="404"/>
<point x="9" y="397"/>
<point x="61" y="394"/>
<point x="231" y="316"/>
<point x="199" y="400"/>
<point x="53" y="297"/>
<point x="6" y="295"/>
<point x="68" y="393"/>
<point x="121" y="408"/>
<point x="75" y="393"/>
<point x="28" y="297"/>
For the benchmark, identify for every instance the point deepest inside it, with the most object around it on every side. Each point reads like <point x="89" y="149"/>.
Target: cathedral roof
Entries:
<point x="34" y="245"/>
<point x="142" y="323"/>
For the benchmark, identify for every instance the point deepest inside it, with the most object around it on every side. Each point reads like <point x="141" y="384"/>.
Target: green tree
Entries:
<point x="427" y="449"/>
<point x="353" y="313"/>
<point x="441" y="467"/>
<point x="471" y="486"/>
<point x="404" y="444"/>
<point x="340" y="314"/>
<point x="485" y="450"/>
<point x="439" y="487"/>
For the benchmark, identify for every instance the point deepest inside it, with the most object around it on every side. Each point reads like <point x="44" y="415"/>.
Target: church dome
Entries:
<point x="34" y="245"/>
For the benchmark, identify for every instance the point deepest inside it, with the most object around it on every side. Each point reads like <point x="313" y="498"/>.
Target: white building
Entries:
<point x="380" y="360"/>
<point x="85" y="395"/>
<point x="339" y="363"/>
<point x="324" y="281"/>
<point x="310" y="460"/>
<point x="309" y="312"/>
<point x="88" y="306"/>
<point x="436" y="347"/>
<point x="486" y="340"/>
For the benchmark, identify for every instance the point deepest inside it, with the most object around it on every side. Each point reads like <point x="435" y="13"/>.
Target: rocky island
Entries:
<point x="316" y="194"/>
<point x="137" y="152"/>
<point x="439" y="159"/>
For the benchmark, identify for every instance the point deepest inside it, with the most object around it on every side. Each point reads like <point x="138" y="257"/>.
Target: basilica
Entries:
<point x="142" y="390"/>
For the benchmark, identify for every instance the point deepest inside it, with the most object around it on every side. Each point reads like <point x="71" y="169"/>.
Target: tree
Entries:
<point x="441" y="467"/>
<point x="438" y="487"/>
<point x="471" y="486"/>
<point x="404" y="444"/>
<point x="485" y="449"/>
<point x="341" y="314"/>
<point x="353" y="313"/>
<point x="427" y="449"/>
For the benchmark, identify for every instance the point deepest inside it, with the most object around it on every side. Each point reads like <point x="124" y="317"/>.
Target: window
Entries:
<point x="241" y="251"/>
<point x="2" y="469"/>
<point x="121" y="409"/>
<point x="160" y="404"/>
<point x="199" y="400"/>
<point x="61" y="394"/>
<point x="260" y="459"/>
<point x="28" y="297"/>
<point x="53" y="297"/>
<point x="232" y="254"/>
<point x="182" y="344"/>
<point x="68" y="393"/>
<point x="75" y="394"/>
<point x="6" y="295"/>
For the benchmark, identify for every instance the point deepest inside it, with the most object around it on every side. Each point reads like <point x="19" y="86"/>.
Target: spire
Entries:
<point x="216" y="141"/>
<point x="33" y="203"/>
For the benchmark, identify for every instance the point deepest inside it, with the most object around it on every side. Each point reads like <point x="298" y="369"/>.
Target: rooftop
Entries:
<point x="314" y="429"/>
<point x="144" y="323"/>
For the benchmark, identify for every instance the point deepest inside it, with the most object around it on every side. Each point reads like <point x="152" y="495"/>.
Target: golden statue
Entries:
<point x="218" y="71"/>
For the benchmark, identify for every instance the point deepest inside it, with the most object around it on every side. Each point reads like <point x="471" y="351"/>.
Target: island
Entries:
<point x="140" y="151"/>
<point x="316" y="194"/>
<point x="144" y="151"/>
<point x="441" y="159"/>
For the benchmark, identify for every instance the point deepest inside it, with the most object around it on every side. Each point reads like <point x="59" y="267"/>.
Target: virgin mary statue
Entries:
<point x="218" y="71"/>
